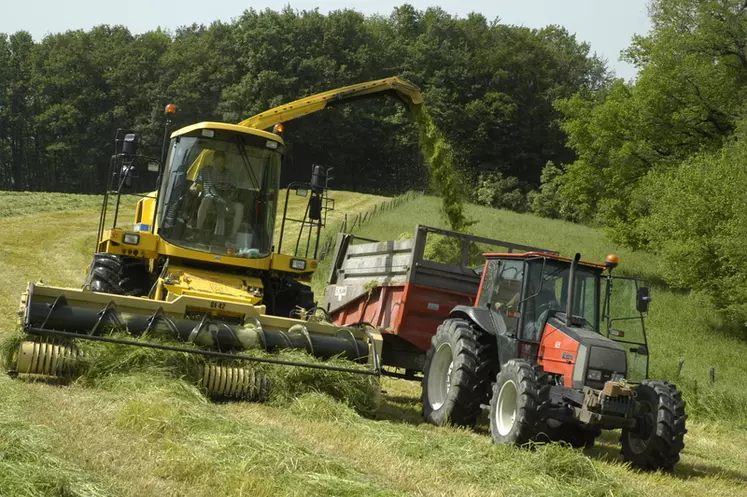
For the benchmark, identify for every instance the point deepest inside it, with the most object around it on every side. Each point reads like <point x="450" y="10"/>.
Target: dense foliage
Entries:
<point x="490" y="87"/>
<point x="661" y="161"/>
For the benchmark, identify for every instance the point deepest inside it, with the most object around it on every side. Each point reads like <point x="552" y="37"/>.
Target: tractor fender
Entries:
<point x="492" y="324"/>
<point x="479" y="316"/>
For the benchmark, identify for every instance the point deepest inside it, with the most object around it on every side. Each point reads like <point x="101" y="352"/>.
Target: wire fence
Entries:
<point x="350" y="223"/>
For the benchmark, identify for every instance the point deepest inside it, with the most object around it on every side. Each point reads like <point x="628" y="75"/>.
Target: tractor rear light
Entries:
<point x="298" y="264"/>
<point x="594" y="374"/>
<point x="131" y="239"/>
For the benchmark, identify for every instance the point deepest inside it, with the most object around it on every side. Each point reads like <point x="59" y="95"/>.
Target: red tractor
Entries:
<point x="557" y="371"/>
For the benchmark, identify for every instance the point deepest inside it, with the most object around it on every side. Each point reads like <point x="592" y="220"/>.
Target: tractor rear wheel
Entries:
<point x="118" y="274"/>
<point x="456" y="376"/>
<point x="519" y="407"/>
<point x="658" y="438"/>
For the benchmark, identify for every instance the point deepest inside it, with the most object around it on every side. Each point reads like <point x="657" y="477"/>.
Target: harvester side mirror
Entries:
<point x="130" y="143"/>
<point x="642" y="299"/>
<point x="318" y="178"/>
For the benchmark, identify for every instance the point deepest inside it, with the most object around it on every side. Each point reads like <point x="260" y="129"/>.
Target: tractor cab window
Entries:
<point x="502" y="290"/>
<point x="547" y="290"/>
<point x="219" y="194"/>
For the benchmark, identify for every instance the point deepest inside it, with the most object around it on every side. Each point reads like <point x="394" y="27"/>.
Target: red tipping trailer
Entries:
<point x="406" y="288"/>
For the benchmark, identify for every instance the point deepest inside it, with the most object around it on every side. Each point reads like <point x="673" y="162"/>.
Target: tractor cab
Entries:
<point x="545" y="319"/>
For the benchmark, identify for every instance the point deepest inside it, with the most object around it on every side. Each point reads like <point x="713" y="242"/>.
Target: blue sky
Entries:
<point x="607" y="25"/>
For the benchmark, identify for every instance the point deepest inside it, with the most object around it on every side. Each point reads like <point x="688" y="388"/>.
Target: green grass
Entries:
<point x="146" y="433"/>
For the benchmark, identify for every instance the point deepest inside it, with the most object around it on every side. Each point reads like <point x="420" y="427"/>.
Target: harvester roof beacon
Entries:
<point x="201" y="263"/>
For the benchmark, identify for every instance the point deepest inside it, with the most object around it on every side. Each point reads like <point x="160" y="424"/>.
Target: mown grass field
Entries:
<point x="149" y="434"/>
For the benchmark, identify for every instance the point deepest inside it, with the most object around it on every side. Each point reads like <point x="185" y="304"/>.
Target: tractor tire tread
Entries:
<point x="533" y="403"/>
<point x="472" y="365"/>
<point x="668" y="440"/>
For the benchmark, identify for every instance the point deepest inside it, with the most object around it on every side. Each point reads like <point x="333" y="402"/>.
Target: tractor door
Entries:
<point x="501" y="293"/>
<point x="625" y="309"/>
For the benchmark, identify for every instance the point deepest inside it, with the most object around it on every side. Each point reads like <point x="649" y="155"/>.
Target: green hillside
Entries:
<point x="147" y="434"/>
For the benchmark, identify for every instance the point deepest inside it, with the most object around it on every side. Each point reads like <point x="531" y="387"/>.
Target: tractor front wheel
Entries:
<point x="456" y="376"/>
<point x="656" y="441"/>
<point x="519" y="407"/>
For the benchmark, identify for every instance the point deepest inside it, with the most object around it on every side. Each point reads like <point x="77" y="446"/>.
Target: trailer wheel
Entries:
<point x="519" y="407"/>
<point x="119" y="275"/>
<point x="658" y="438"/>
<point x="456" y="376"/>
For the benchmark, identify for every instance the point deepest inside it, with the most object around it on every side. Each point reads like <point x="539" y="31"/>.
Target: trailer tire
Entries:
<point x="656" y="441"/>
<point x="456" y="375"/>
<point x="119" y="275"/>
<point x="519" y="407"/>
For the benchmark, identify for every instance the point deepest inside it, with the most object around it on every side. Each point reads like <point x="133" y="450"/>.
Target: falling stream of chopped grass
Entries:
<point x="439" y="157"/>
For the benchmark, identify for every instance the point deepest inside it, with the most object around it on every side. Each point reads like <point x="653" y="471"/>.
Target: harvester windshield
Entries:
<point x="219" y="192"/>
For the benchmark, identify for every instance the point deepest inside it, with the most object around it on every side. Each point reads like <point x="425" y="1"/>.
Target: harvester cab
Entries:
<point x="563" y="344"/>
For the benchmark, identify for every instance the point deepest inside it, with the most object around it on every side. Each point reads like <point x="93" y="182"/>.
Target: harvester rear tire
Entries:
<point x="656" y="442"/>
<point x="118" y="274"/>
<point x="519" y="407"/>
<point x="456" y="379"/>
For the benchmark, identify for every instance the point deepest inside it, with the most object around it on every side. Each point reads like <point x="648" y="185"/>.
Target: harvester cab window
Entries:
<point x="220" y="195"/>
<point x="502" y="291"/>
<point x="547" y="292"/>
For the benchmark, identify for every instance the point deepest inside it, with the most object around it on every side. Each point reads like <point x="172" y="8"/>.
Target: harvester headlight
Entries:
<point x="131" y="239"/>
<point x="594" y="374"/>
<point x="255" y="291"/>
<point x="298" y="264"/>
<point x="272" y="144"/>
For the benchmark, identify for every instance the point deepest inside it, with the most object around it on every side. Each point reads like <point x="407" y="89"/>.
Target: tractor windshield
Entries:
<point x="547" y="289"/>
<point x="219" y="193"/>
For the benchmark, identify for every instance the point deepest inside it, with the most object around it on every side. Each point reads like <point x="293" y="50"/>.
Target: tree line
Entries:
<point x="490" y="87"/>
<point x="662" y="161"/>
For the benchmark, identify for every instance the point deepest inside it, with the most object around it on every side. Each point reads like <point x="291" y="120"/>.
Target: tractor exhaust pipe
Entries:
<point x="571" y="290"/>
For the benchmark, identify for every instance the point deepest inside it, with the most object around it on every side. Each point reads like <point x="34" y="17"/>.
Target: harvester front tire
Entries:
<point x="456" y="379"/>
<point x="656" y="442"/>
<point x="118" y="274"/>
<point x="519" y="407"/>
